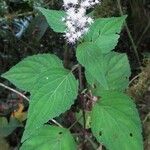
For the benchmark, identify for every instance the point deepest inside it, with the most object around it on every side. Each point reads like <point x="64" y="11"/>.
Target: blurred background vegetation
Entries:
<point x="24" y="32"/>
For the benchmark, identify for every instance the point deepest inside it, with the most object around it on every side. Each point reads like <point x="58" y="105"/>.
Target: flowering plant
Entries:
<point x="76" y="21"/>
<point x="106" y="109"/>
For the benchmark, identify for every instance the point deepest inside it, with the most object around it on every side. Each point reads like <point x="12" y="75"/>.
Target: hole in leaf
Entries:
<point x="131" y="135"/>
<point x="60" y="132"/>
<point x="100" y="133"/>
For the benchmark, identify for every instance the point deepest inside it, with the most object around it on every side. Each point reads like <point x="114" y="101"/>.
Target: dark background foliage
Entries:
<point x="25" y="32"/>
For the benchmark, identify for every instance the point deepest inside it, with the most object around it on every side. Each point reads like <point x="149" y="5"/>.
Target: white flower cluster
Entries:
<point x="77" y="21"/>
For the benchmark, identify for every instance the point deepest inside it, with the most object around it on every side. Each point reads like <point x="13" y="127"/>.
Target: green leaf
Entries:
<point x="50" y="137"/>
<point x="107" y="42"/>
<point x="115" y="122"/>
<point x="104" y="33"/>
<point x="54" y="19"/>
<point x="24" y="75"/>
<point x="105" y="71"/>
<point x="55" y="93"/>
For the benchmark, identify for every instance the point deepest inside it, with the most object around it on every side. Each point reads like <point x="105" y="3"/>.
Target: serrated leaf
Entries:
<point x="104" y="26"/>
<point x="107" y="42"/>
<point x="104" y="33"/>
<point x="50" y="137"/>
<point x="105" y="71"/>
<point x="24" y="75"/>
<point x="116" y="123"/>
<point x="56" y="92"/>
<point x="54" y="19"/>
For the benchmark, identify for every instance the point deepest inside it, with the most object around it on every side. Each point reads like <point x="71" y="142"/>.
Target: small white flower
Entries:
<point x="86" y="30"/>
<point x="85" y="4"/>
<point x="90" y="20"/>
<point x="63" y="19"/>
<point x="71" y="40"/>
<point x="82" y="22"/>
<point x="67" y="34"/>
<point x="66" y="2"/>
<point x="76" y="20"/>
<point x="72" y="29"/>
<point x="68" y="24"/>
<point x="89" y="3"/>
<point x="79" y="34"/>
<point x="82" y="11"/>
<point x="74" y="36"/>
<point x="71" y="11"/>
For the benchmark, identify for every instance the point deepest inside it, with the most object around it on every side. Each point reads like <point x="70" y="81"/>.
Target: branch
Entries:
<point x="12" y="16"/>
<point x="20" y="94"/>
<point x="13" y="90"/>
<point x="94" y="145"/>
<point x="129" y="34"/>
<point x="54" y="121"/>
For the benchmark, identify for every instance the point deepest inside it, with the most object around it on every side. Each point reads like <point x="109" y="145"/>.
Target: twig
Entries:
<point x="134" y="78"/>
<point x="92" y="143"/>
<point x="100" y="147"/>
<point x="74" y="67"/>
<point x="75" y="122"/>
<point x="19" y="93"/>
<point x="12" y="16"/>
<point x="145" y="30"/>
<point x="54" y="121"/>
<point x="13" y="90"/>
<point x="129" y="34"/>
<point x="146" y="118"/>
